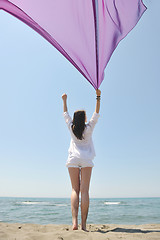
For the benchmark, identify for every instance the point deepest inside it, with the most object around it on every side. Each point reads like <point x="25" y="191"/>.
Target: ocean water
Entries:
<point x="58" y="210"/>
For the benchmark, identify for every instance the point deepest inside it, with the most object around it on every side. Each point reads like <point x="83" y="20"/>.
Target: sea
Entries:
<point x="101" y="211"/>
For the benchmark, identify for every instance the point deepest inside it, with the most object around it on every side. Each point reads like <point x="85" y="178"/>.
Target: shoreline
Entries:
<point x="17" y="231"/>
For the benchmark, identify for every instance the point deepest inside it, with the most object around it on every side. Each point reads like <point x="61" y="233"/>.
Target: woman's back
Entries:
<point x="82" y="148"/>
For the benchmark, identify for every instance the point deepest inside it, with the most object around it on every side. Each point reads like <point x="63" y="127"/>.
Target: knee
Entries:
<point x="76" y="190"/>
<point x="84" y="189"/>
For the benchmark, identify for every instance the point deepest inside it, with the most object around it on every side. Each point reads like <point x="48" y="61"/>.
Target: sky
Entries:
<point x="34" y="139"/>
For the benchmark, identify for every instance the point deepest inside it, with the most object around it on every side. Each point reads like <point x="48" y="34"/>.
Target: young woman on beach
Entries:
<point x="81" y="154"/>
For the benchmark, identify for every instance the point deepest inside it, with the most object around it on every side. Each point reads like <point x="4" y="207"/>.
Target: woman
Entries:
<point x="81" y="154"/>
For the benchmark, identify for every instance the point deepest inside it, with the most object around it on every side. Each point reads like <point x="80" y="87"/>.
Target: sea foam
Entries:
<point x="112" y="203"/>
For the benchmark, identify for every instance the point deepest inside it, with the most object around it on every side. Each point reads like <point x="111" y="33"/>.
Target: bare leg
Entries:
<point x="75" y="181"/>
<point x="84" y="188"/>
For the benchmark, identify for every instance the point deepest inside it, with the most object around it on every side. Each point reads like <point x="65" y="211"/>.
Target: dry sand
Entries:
<point x="65" y="232"/>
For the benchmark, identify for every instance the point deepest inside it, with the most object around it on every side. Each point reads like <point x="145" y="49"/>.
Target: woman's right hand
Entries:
<point x="64" y="97"/>
<point x="98" y="92"/>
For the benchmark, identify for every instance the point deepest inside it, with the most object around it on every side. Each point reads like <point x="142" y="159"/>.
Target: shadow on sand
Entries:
<point x="125" y="230"/>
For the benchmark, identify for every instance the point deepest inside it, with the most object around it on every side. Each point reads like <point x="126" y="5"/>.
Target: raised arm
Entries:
<point x="64" y="98"/>
<point x="98" y="98"/>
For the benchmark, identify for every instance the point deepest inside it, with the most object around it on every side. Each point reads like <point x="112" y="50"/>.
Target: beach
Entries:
<point x="50" y="219"/>
<point x="17" y="231"/>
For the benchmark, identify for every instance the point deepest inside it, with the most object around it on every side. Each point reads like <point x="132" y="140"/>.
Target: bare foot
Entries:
<point x="75" y="227"/>
<point x="84" y="229"/>
<point x="83" y="226"/>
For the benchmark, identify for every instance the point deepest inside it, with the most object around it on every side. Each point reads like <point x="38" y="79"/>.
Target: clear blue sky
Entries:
<point x="34" y="139"/>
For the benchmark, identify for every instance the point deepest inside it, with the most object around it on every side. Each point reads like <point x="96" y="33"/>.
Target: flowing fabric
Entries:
<point x="86" y="32"/>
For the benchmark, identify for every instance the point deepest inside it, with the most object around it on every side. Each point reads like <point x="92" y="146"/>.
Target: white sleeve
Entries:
<point x="93" y="120"/>
<point x="67" y="119"/>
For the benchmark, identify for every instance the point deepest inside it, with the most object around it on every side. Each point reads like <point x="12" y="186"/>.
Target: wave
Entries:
<point x="31" y="203"/>
<point x="42" y="203"/>
<point x="112" y="203"/>
<point x="60" y="205"/>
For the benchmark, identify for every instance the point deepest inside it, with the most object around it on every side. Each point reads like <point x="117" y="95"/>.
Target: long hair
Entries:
<point x="78" y="124"/>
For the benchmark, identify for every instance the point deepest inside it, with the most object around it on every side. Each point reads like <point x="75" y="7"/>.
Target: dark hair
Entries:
<point x="78" y="124"/>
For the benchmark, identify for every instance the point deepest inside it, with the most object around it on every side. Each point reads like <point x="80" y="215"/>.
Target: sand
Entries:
<point x="65" y="232"/>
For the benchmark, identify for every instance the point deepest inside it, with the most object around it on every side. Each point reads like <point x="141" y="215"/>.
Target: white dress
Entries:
<point x="81" y="152"/>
